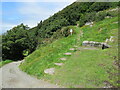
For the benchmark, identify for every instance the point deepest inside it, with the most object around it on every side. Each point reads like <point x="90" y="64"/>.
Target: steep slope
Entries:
<point x="89" y="67"/>
<point x="85" y="68"/>
<point x="26" y="40"/>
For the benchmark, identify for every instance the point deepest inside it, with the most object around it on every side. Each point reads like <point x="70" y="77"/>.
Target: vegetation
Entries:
<point x="45" y="56"/>
<point x="91" y="68"/>
<point x="46" y="43"/>
<point x="98" y="16"/>
<point x="5" y="62"/>
<point x="17" y="40"/>
<point x="22" y="39"/>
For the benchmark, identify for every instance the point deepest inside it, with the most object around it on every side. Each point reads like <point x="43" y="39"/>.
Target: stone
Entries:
<point x="96" y="44"/>
<point x="63" y="59"/>
<point x="68" y="53"/>
<point x="72" y="49"/>
<point x="113" y="9"/>
<point x="115" y="22"/>
<point x="85" y="43"/>
<point x="111" y="38"/>
<point x="108" y="17"/>
<point x="107" y="40"/>
<point x="58" y="64"/>
<point x="50" y="71"/>
<point x="75" y="46"/>
<point x="91" y="25"/>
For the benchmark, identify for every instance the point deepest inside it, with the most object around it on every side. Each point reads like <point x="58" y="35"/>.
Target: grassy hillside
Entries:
<point x="45" y="56"/>
<point x="91" y="68"/>
<point x="85" y="68"/>
<point x="22" y="39"/>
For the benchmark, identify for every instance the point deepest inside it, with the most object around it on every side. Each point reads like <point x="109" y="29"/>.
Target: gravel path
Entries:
<point x="12" y="77"/>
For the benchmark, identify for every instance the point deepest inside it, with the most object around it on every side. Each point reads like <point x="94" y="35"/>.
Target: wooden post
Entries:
<point x="71" y="31"/>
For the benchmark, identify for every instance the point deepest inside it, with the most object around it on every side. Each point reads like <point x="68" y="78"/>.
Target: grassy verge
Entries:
<point x="2" y="63"/>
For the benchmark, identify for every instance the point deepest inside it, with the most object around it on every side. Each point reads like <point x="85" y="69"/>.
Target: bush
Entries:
<point x="93" y="16"/>
<point x="112" y="13"/>
<point x="100" y="16"/>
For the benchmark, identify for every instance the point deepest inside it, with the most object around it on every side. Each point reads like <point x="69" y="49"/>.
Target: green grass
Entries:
<point x="2" y="63"/>
<point x="90" y="68"/>
<point x="85" y="68"/>
<point x="100" y="30"/>
<point x="45" y="57"/>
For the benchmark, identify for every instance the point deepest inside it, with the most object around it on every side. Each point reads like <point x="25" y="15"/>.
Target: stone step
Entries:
<point x="50" y="71"/>
<point x="68" y="53"/>
<point x="75" y="46"/>
<point x="63" y="59"/>
<point x="58" y="64"/>
<point x="72" y="49"/>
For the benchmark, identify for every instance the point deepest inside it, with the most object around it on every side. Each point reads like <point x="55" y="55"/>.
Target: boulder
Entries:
<point x="96" y="44"/>
<point x="50" y="71"/>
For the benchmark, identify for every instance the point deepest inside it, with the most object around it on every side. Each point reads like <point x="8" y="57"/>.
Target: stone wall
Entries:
<point x="95" y="44"/>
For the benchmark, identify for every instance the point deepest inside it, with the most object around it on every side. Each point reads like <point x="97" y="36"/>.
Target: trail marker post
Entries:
<point x="71" y="31"/>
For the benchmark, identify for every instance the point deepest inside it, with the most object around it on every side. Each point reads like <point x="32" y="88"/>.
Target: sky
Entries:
<point x="29" y="12"/>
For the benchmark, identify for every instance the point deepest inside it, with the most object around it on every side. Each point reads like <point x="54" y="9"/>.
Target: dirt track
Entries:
<point x="12" y="77"/>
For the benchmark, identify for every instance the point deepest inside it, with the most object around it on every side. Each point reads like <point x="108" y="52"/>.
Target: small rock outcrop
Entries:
<point x="89" y="23"/>
<point x="111" y="39"/>
<point x="75" y="46"/>
<point x="50" y="71"/>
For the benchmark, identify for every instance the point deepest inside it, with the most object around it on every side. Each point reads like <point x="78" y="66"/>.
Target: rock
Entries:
<point x="58" y="64"/>
<point x="108" y="17"/>
<point x="68" y="53"/>
<point x="72" y="49"/>
<point x="107" y="40"/>
<point x="85" y="43"/>
<point x="91" y="25"/>
<point x="75" y="46"/>
<point x="96" y="44"/>
<point x="63" y="59"/>
<point x="113" y="9"/>
<point x="50" y="71"/>
<point x="115" y="22"/>
<point x="111" y="38"/>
